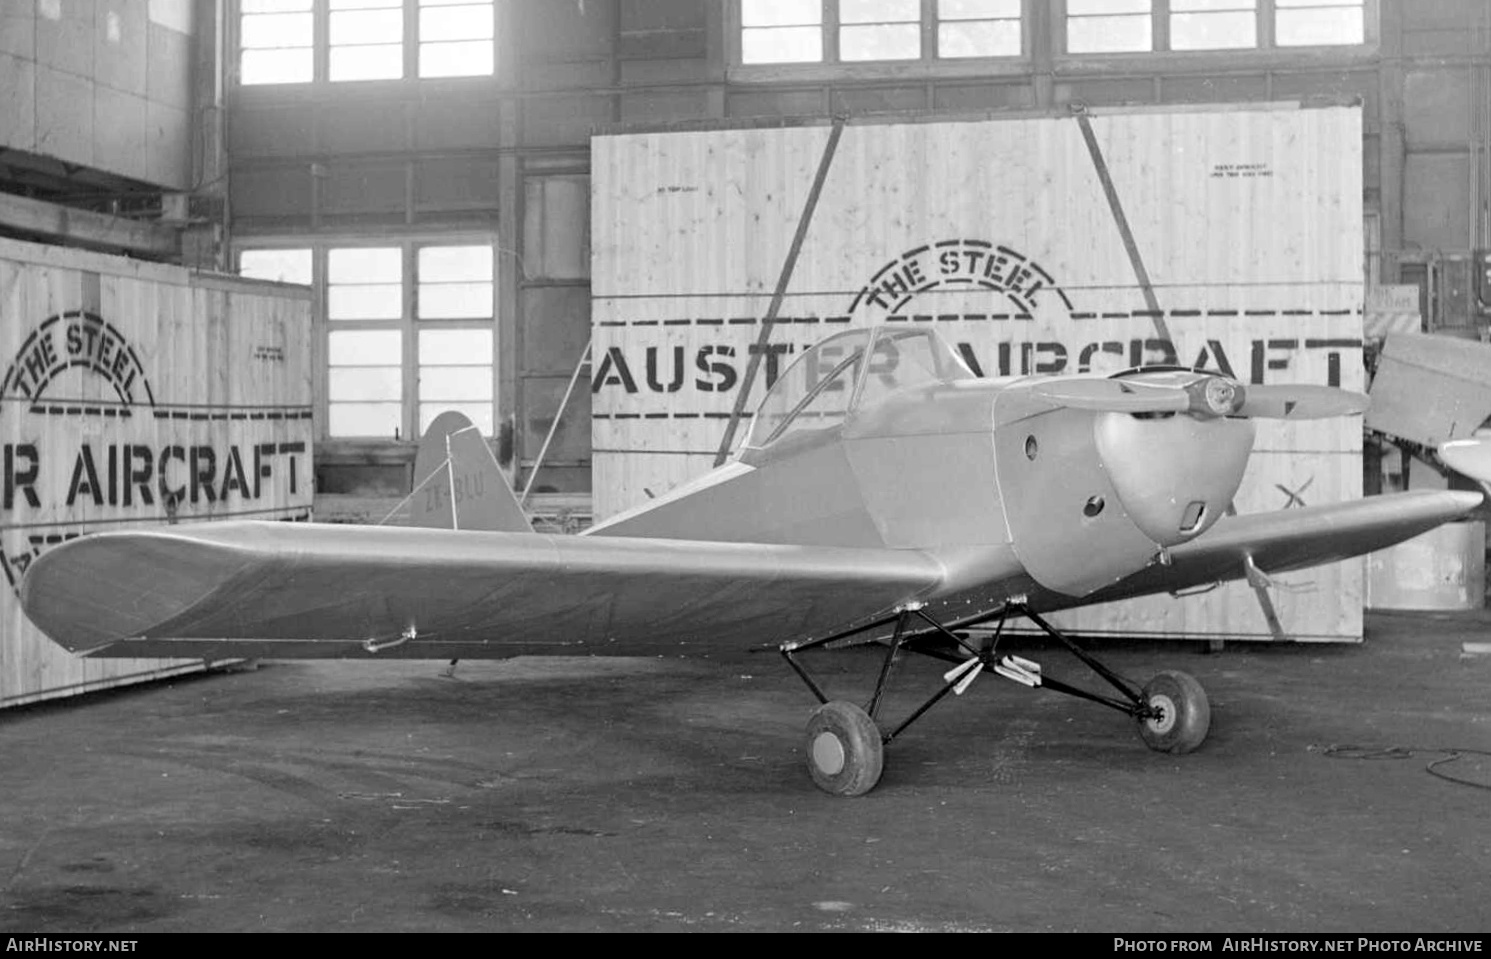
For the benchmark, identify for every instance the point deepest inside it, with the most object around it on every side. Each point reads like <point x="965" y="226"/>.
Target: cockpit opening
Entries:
<point x="848" y="372"/>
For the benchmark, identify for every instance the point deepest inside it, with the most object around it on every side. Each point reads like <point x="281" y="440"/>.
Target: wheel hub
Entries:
<point x="828" y="754"/>
<point x="1165" y="721"/>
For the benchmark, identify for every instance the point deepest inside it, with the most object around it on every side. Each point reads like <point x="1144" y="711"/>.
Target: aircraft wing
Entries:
<point x="282" y="590"/>
<point x="1291" y="539"/>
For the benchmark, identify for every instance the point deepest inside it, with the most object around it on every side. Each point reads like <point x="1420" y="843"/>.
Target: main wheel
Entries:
<point x="1184" y="713"/>
<point x="845" y="754"/>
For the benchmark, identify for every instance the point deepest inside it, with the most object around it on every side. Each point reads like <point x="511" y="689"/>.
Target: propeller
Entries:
<point x="1203" y="395"/>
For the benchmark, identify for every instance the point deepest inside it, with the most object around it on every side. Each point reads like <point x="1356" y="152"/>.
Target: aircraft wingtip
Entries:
<point x="97" y="590"/>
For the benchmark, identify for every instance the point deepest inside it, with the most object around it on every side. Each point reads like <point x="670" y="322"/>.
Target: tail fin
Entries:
<point x="457" y="484"/>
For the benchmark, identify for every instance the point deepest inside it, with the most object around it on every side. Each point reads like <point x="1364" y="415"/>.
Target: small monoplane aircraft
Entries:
<point x="883" y="494"/>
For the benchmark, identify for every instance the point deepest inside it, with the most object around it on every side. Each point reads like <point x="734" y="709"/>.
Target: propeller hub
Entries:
<point x="1216" y="396"/>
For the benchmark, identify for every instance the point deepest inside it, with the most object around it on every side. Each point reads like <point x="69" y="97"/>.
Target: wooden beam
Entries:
<point x="87" y="228"/>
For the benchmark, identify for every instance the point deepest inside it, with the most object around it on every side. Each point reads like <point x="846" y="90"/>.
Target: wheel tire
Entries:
<point x="845" y="754"/>
<point x="1185" y="713"/>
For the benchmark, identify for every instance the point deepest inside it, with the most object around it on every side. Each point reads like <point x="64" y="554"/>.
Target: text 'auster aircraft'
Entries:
<point x="883" y="491"/>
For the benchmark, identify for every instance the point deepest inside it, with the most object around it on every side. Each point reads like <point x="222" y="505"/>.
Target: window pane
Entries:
<point x="781" y="45"/>
<point x="455" y="301"/>
<point x="276" y="66"/>
<point x="455" y="383"/>
<point x="273" y="6"/>
<point x="456" y="23"/>
<point x="992" y="38"/>
<point x="365" y="301"/>
<point x="365" y="383"/>
<point x="466" y="58"/>
<point x="367" y="26"/>
<point x="455" y="347"/>
<point x="371" y="264"/>
<point x="879" y="11"/>
<point x="1187" y="6"/>
<point x="283" y="266"/>
<point x="367" y="63"/>
<point x="881" y="42"/>
<point x="780" y="13"/>
<point x="1108" y="34"/>
<point x="1082" y="7"/>
<point x="364" y="4"/>
<point x="1324" y="26"/>
<point x="364" y="419"/>
<point x="445" y="263"/>
<point x="480" y="414"/>
<point x="1213" y="31"/>
<point x="978" y="9"/>
<point x="365" y="348"/>
<point x="276" y="31"/>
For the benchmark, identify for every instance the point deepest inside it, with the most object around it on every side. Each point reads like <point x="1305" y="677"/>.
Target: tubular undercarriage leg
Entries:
<point x="846" y="744"/>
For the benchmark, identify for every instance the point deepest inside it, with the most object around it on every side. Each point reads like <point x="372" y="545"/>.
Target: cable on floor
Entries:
<point x="1449" y="755"/>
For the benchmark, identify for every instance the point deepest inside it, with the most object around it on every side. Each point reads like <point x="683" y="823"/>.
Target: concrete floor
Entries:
<point x="669" y="794"/>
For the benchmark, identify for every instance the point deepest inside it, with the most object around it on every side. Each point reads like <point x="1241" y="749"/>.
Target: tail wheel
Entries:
<point x="1182" y="714"/>
<point x="845" y="752"/>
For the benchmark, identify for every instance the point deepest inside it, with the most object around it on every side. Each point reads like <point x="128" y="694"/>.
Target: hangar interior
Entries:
<point x="322" y="223"/>
<point x="424" y="164"/>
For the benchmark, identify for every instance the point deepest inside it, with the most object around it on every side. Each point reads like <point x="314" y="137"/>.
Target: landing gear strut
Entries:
<point x="845" y="744"/>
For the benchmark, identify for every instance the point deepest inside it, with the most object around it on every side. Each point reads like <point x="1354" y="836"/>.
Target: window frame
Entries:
<point x="321" y="47"/>
<point x="408" y="323"/>
<point x="928" y="63"/>
<point x="1266" y="18"/>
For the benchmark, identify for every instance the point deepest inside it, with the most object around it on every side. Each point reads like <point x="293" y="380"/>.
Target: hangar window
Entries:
<point x="1213" y="24"/>
<point x="978" y="28"/>
<point x="1109" y="26"/>
<point x="366" y="39"/>
<point x="409" y="327"/>
<point x="456" y="38"/>
<point x="298" y="41"/>
<point x="1138" y="26"/>
<point x="276" y="41"/>
<point x="290" y="265"/>
<point x="877" y="31"/>
<point x="781" y="31"/>
<point x="455" y="308"/>
<point x="880" y="29"/>
<point x="1319" y="22"/>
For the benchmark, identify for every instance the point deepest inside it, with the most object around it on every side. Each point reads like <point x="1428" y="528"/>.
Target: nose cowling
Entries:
<point x="1174" y="473"/>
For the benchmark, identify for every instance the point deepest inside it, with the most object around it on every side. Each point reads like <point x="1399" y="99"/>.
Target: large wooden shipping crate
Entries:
<point x="137" y="394"/>
<point x="1005" y="235"/>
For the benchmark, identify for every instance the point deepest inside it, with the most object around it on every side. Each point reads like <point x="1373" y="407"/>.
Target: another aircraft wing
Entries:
<point x="282" y="590"/>
<point x="1291" y="539"/>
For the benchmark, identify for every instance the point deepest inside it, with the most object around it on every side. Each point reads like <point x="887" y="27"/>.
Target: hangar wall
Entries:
<point x="137" y="394"/>
<point x="100" y="84"/>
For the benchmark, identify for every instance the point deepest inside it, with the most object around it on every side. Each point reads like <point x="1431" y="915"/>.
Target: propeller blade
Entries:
<point x="1114" y="396"/>
<point x="1299" y="402"/>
